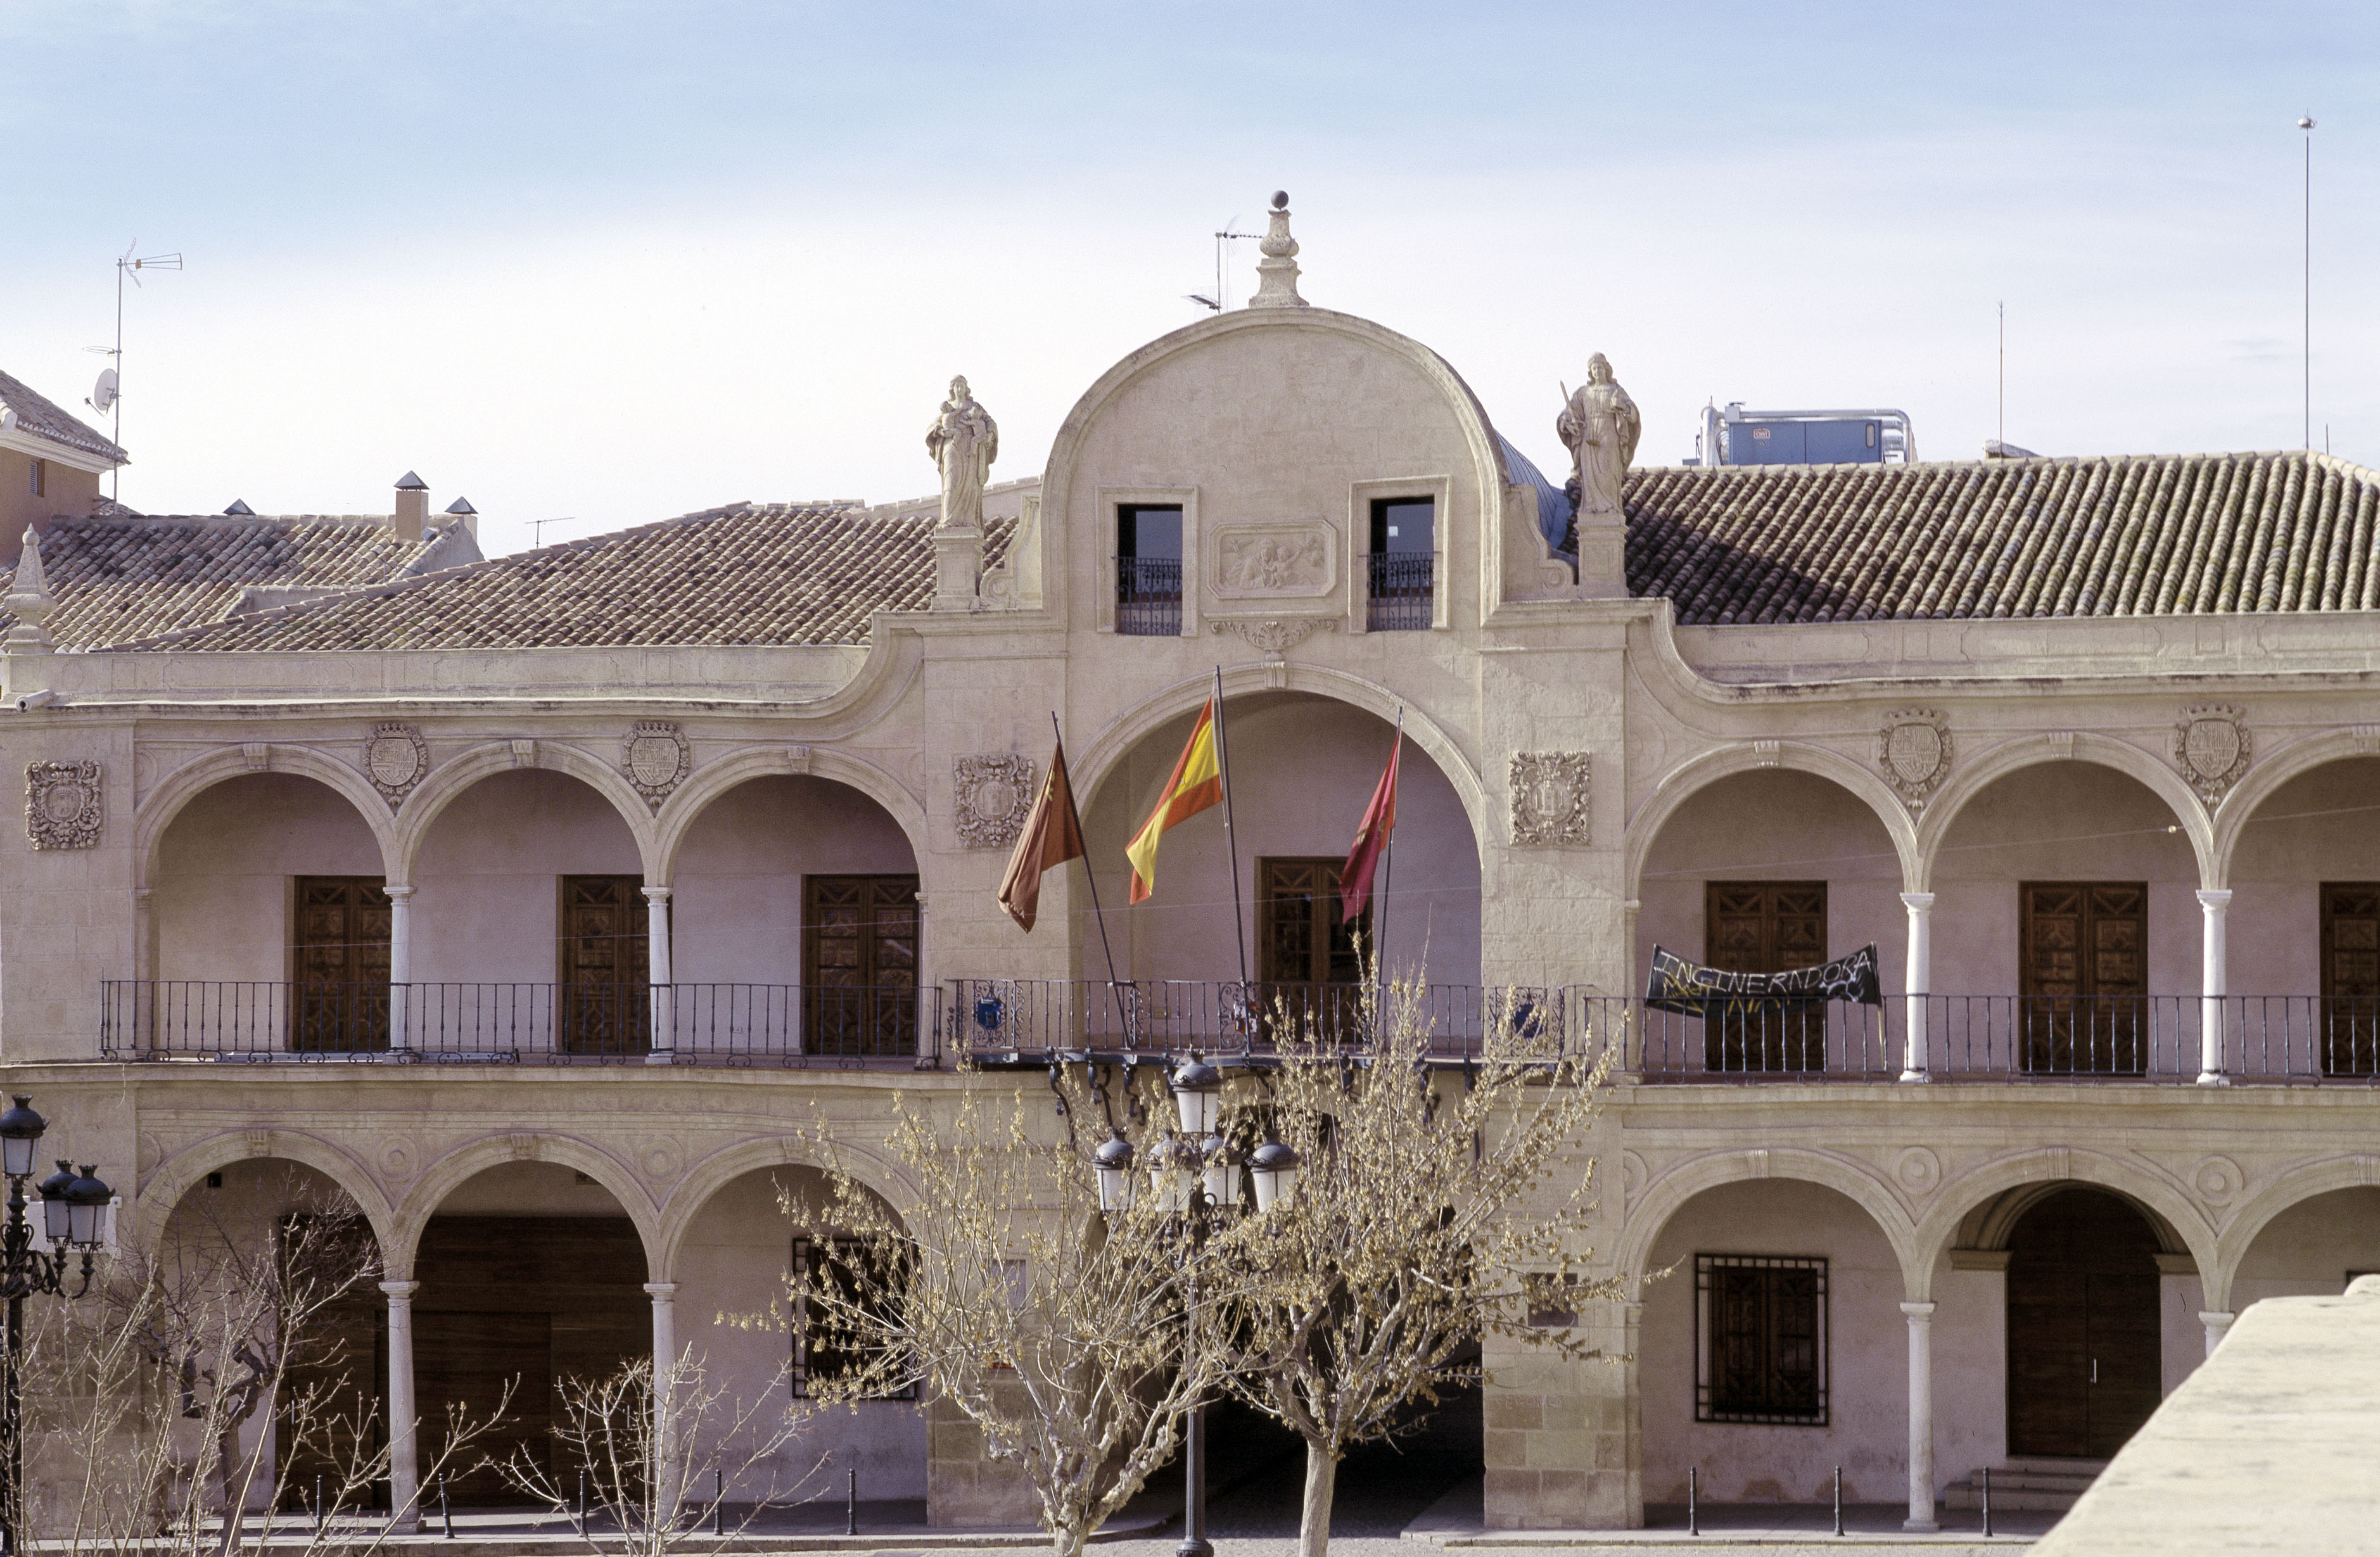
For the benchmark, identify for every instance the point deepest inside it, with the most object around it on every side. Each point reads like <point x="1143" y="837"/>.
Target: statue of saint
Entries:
<point x="964" y="440"/>
<point x="1599" y="425"/>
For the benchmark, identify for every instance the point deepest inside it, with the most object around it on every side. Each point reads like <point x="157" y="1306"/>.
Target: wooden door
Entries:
<point x="1309" y="960"/>
<point x="341" y="1003"/>
<point x="2350" y="978"/>
<point x="2086" y="976"/>
<point x="1765" y="927"/>
<point x="333" y="1392"/>
<point x="859" y="965"/>
<point x="604" y="1004"/>
<point x="2083" y="1337"/>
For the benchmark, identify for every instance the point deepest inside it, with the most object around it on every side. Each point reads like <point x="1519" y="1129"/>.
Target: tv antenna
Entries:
<point x="1219" y="302"/>
<point x="2305" y="123"/>
<point x="537" y="529"/>
<point x="106" y="397"/>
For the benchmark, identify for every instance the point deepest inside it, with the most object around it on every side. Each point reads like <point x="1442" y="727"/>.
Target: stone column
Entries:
<point x="400" y="966"/>
<point x="665" y="1359"/>
<point x="1916" y="1063"/>
<point x="2214" y="905"/>
<point x="2218" y="1324"/>
<point x="657" y="964"/>
<point x="929" y="1000"/>
<point x="1921" y="1417"/>
<point x="404" y="1453"/>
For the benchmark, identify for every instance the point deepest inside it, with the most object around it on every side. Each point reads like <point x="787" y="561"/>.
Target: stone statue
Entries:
<point x="1599" y="425"/>
<point x="964" y="440"/>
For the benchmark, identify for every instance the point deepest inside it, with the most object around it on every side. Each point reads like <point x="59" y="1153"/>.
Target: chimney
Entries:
<point x="462" y="513"/>
<point x="412" y="506"/>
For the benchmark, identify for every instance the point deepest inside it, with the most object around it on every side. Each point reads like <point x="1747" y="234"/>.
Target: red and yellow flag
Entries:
<point x="1197" y="784"/>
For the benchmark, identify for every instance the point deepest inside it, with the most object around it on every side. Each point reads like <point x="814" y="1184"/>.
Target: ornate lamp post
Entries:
<point x="73" y="1210"/>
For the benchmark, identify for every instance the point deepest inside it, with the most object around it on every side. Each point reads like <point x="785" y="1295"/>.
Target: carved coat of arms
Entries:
<point x="994" y="796"/>
<point x="396" y="759"/>
<point x="2212" y="748"/>
<point x="61" y="805"/>
<point x="1914" y="749"/>
<point x="656" y="757"/>
<point x="1551" y="795"/>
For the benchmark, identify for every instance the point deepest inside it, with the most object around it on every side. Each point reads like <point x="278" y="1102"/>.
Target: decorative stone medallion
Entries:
<point x="2212" y="748"/>
<point x="396" y="759"/>
<point x="1920" y="1171"/>
<point x="2217" y="1180"/>
<point x="1914" y="749"/>
<point x="61" y="805"/>
<point x="994" y="796"/>
<point x="656" y="757"/>
<point x="1550" y="797"/>
<point x="1275" y="637"/>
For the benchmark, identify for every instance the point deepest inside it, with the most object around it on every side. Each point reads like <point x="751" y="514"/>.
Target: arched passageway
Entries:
<point x="2304" y="925"/>
<point x="2084" y="1341"/>
<point x="2313" y="1248"/>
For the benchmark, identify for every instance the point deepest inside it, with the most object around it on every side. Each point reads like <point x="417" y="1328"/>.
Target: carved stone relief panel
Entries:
<point x="994" y="795"/>
<point x="1296" y="560"/>
<point x="62" y="803"/>
<point x="1550" y="800"/>
<point x="656" y="757"/>
<point x="1275" y="636"/>
<point x="395" y="758"/>
<point x="2212" y="748"/>
<point x="1914" y="749"/>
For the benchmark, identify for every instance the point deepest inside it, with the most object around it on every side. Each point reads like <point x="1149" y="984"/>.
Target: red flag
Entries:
<point x="1049" y="839"/>
<point x="1371" y="837"/>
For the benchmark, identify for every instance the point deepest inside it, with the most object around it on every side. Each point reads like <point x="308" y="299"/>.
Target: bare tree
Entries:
<point x="639" y="1451"/>
<point x="1424" y="1215"/>
<point x="1058" y="1331"/>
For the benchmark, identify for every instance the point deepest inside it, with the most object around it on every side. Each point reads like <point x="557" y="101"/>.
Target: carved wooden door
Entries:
<point x="2086" y="976"/>
<point x="1765" y="927"/>
<point x="2083" y="1361"/>
<point x="859" y="965"/>
<point x="2350" y="1030"/>
<point x="604" y="1004"/>
<point x="341" y="1003"/>
<point x="1309" y="960"/>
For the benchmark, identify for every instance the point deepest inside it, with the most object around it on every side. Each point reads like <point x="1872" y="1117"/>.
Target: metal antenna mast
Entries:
<point x="2004" y="375"/>
<point x="109" y="396"/>
<point x="1217" y="301"/>
<point x="2305" y="123"/>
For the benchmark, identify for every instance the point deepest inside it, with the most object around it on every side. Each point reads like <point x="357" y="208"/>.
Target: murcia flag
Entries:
<point x="1052" y="835"/>
<point x="1197" y="784"/>
<point x="1371" y="837"/>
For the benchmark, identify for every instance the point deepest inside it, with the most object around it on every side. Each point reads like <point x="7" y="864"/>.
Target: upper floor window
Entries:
<point x="1403" y="564"/>
<point x="41" y="477"/>
<point x="1148" y="569"/>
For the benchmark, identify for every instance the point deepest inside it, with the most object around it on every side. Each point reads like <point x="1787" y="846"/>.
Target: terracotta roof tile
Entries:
<point x="37" y="414"/>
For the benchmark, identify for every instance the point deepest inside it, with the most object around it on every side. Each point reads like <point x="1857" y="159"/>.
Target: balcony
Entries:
<point x="1399" y="591"/>
<point x="1149" y="597"/>
<point x="748" y="1024"/>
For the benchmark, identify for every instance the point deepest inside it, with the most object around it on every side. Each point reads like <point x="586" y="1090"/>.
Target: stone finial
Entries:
<point x="30" y="600"/>
<point x="1277" y="271"/>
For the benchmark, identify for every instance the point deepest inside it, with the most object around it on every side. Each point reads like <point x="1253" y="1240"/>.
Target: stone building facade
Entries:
<point x="566" y="884"/>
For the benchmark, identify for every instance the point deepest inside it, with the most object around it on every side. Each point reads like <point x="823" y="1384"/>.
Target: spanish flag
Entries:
<point x="1197" y="784"/>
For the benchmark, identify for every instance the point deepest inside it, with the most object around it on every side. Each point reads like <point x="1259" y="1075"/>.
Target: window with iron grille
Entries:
<point x="1760" y="1339"/>
<point x="820" y="1353"/>
<point x="1401" y="569"/>
<point x="1148" y="569"/>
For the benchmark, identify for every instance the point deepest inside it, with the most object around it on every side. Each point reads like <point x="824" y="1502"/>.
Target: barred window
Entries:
<point x="1760" y="1339"/>
<point x="820" y="1354"/>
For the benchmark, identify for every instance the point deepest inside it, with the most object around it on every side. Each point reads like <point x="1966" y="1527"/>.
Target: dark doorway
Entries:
<point x="1765" y="927"/>
<point x="2350" y="978"/>
<point x="604" y="1005"/>
<point x="524" y="1301"/>
<point x="859" y="965"/>
<point x="343" y="959"/>
<point x="2086" y="976"/>
<point x="1309" y="959"/>
<point x="2084" y="1370"/>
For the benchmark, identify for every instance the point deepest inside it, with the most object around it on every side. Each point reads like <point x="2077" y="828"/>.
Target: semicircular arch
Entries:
<point x="446" y="783"/>
<point x="684" y="808"/>
<point x="2293" y="1188"/>
<point x="2268" y="778"/>
<point x="868" y="1166"/>
<point x="156" y="811"/>
<point x="1691" y="777"/>
<point x="2104" y="751"/>
<point x="2159" y="1196"/>
<point x="1667" y="1195"/>
<point x="449" y="1174"/>
<point x="174" y="1178"/>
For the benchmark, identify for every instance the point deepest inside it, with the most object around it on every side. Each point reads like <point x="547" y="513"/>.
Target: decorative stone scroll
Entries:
<point x="1275" y="636"/>
<point x="61" y="805"/>
<point x="656" y="757"/>
<point x="2212" y="748"/>
<point x="995" y="794"/>
<point x="1914" y="749"/>
<point x="395" y="758"/>
<point x="1551" y="791"/>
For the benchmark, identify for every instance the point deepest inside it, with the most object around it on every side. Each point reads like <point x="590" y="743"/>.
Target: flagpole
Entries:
<point x="1387" y="868"/>
<point x="1231" y="842"/>
<point x="1089" y="875"/>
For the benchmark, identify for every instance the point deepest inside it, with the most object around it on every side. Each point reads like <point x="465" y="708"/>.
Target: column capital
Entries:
<point x="1918" y="1310"/>
<point x="1917" y="901"/>
<point x="400" y="1291"/>
<point x="399" y="893"/>
<point x="656" y="894"/>
<point x="2214" y="899"/>
<point x="661" y="1292"/>
<point x="2215" y="1319"/>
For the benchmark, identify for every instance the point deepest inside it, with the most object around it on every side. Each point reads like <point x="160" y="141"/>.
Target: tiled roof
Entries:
<point x="121" y="579"/>
<point x="746" y="574"/>
<point x="38" y="415"/>
<point x="2126" y="535"/>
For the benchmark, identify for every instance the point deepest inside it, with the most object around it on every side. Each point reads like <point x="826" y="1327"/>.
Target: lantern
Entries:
<point x="1274" y="1168"/>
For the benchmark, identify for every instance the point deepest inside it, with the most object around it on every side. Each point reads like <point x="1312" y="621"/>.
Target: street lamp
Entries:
<point x="73" y="1207"/>
<point x="1112" y="1162"/>
<point x="1273" y="1168"/>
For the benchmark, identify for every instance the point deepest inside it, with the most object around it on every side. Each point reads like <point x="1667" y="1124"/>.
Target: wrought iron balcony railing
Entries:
<point x="1399" y="595"/>
<point x="1149" y="597"/>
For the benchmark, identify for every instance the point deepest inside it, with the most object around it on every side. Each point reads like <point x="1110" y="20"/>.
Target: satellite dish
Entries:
<point x="103" y="393"/>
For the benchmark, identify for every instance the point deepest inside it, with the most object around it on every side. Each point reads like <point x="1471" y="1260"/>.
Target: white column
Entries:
<point x="400" y="966"/>
<point x="1921" y="1417"/>
<point x="403" y="1462"/>
<point x="928" y="998"/>
<point x="2218" y="1324"/>
<point x="2212" y="905"/>
<point x="666" y="1366"/>
<point x="657" y="974"/>
<point x="1916" y="1064"/>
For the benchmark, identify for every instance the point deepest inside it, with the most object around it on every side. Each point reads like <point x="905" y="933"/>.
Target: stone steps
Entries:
<point x="2030" y="1484"/>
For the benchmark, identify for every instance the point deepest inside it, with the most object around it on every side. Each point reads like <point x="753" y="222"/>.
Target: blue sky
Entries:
<point x="615" y="262"/>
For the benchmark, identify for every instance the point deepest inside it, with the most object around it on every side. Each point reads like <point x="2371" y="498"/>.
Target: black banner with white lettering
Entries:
<point x="1692" y="989"/>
